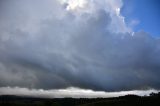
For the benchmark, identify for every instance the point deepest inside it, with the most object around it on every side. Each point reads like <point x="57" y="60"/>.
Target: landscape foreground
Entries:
<point x="128" y="100"/>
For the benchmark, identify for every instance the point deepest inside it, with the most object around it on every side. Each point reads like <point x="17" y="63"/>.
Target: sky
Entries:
<point x="142" y="15"/>
<point x="81" y="48"/>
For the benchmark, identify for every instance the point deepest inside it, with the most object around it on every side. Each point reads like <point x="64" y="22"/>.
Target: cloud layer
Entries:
<point x="69" y="92"/>
<point x="55" y="44"/>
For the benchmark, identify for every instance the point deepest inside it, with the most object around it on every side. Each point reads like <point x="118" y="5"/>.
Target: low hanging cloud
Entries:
<point x="56" y="44"/>
<point x="69" y="92"/>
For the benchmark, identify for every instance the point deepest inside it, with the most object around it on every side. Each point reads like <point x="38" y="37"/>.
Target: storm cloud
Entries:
<point x="55" y="44"/>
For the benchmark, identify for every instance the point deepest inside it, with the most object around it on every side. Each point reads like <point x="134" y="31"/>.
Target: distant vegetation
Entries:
<point x="128" y="100"/>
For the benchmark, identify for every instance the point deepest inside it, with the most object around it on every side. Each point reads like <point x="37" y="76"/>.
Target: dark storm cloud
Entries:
<point x="43" y="45"/>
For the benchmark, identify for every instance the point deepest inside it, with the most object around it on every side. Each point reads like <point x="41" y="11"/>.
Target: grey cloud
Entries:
<point x="42" y="45"/>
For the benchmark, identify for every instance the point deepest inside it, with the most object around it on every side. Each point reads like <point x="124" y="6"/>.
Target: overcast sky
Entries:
<point x="80" y="44"/>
